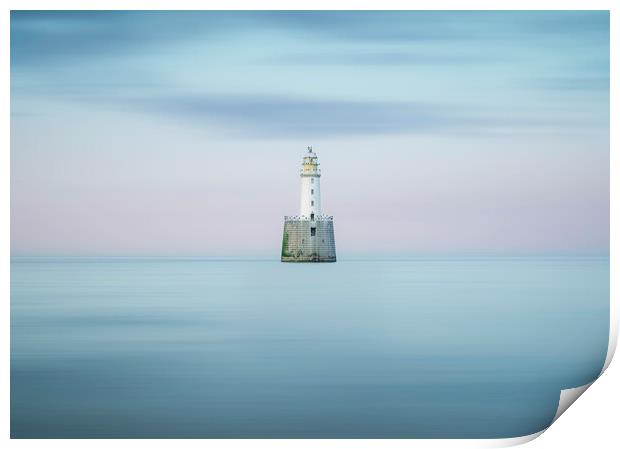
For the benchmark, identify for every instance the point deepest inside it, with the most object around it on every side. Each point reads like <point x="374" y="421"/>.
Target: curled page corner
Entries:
<point x="568" y="397"/>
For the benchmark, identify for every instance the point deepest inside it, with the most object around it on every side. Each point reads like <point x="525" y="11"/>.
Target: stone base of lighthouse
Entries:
<point x="308" y="241"/>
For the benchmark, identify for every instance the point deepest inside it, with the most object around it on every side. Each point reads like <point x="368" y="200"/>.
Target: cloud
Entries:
<point x="575" y="83"/>
<point x="491" y="65"/>
<point x="380" y="58"/>
<point x="286" y="116"/>
<point x="55" y="36"/>
<point x="283" y="117"/>
<point x="61" y="37"/>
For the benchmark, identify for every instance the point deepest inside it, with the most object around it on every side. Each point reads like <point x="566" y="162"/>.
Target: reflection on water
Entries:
<point x="191" y="348"/>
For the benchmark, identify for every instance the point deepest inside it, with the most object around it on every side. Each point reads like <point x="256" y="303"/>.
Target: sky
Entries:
<point x="181" y="133"/>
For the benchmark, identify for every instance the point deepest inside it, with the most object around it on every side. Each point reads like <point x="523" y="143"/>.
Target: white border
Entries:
<point x="316" y="4"/>
<point x="328" y="5"/>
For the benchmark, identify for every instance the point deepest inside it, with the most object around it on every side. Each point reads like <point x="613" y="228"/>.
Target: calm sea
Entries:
<point x="197" y="348"/>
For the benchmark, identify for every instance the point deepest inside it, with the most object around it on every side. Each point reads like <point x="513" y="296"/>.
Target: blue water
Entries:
<point x="191" y="348"/>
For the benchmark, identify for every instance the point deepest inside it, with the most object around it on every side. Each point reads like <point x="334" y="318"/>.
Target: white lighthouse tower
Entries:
<point x="309" y="237"/>
<point x="310" y="186"/>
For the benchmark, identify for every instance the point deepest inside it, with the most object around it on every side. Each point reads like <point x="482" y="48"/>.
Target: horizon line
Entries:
<point x="347" y="256"/>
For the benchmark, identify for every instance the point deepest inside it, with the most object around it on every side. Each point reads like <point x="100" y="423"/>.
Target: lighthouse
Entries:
<point x="309" y="236"/>
<point x="310" y="186"/>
